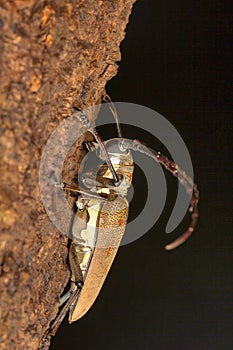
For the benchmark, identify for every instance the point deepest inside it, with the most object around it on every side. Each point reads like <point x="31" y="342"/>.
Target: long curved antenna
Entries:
<point x="99" y="140"/>
<point x="183" y="178"/>
<point x="107" y="98"/>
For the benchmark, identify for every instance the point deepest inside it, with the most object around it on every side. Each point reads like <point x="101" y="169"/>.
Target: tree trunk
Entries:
<point x="54" y="54"/>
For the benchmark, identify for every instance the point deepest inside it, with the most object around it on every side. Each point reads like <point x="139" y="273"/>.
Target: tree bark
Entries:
<point x="54" y="54"/>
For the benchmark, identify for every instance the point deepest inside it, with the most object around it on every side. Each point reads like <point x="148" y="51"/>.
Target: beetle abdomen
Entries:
<point x="111" y="227"/>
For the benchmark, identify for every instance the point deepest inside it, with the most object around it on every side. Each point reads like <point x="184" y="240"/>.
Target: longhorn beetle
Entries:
<point x="101" y="216"/>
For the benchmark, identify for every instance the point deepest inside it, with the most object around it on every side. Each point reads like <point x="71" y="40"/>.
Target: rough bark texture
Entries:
<point x="54" y="54"/>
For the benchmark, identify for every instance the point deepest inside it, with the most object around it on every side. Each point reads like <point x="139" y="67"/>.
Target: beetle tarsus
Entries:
<point x="58" y="320"/>
<point x="45" y="343"/>
<point x="90" y="146"/>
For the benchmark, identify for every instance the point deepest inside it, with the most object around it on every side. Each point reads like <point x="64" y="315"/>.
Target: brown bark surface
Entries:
<point x="54" y="54"/>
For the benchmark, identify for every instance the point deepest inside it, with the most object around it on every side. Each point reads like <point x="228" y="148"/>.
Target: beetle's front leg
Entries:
<point x="89" y="194"/>
<point x="91" y="145"/>
<point x="76" y="189"/>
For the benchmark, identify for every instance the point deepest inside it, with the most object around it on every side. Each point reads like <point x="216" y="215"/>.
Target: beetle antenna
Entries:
<point x="112" y="107"/>
<point x="183" y="178"/>
<point x="99" y="140"/>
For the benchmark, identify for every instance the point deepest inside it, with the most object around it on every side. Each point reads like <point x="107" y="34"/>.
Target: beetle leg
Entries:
<point x="58" y="320"/>
<point x="45" y="342"/>
<point x="90" y="145"/>
<point x="76" y="189"/>
<point x="89" y="194"/>
<point x="90" y="179"/>
<point x="64" y="298"/>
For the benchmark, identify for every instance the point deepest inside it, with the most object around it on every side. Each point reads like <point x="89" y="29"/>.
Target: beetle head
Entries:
<point x="122" y="162"/>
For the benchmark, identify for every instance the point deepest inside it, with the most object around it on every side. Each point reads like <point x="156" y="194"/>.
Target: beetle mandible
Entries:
<point x="102" y="212"/>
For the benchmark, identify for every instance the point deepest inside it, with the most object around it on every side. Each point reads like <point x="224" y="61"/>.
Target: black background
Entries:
<point x="175" y="60"/>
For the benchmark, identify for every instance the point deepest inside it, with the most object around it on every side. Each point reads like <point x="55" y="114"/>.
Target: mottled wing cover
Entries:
<point x="111" y="227"/>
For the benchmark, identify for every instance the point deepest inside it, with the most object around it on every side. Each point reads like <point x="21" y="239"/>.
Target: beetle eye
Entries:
<point x="120" y="178"/>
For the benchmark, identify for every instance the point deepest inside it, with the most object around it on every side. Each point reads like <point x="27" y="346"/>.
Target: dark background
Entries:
<point x="176" y="60"/>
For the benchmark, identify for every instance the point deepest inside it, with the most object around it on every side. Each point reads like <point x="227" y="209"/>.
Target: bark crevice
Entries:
<point x="53" y="55"/>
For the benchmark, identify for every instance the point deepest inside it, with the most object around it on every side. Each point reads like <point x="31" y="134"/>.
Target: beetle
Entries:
<point x="101" y="215"/>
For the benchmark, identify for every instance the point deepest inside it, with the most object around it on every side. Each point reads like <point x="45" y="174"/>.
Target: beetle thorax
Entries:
<point x="123" y="165"/>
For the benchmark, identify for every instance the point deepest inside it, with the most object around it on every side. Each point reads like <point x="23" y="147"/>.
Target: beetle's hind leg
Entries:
<point x="64" y="298"/>
<point x="58" y="320"/>
<point x="45" y="342"/>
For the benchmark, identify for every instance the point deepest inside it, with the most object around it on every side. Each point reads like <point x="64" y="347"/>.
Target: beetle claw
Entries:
<point x="90" y="145"/>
